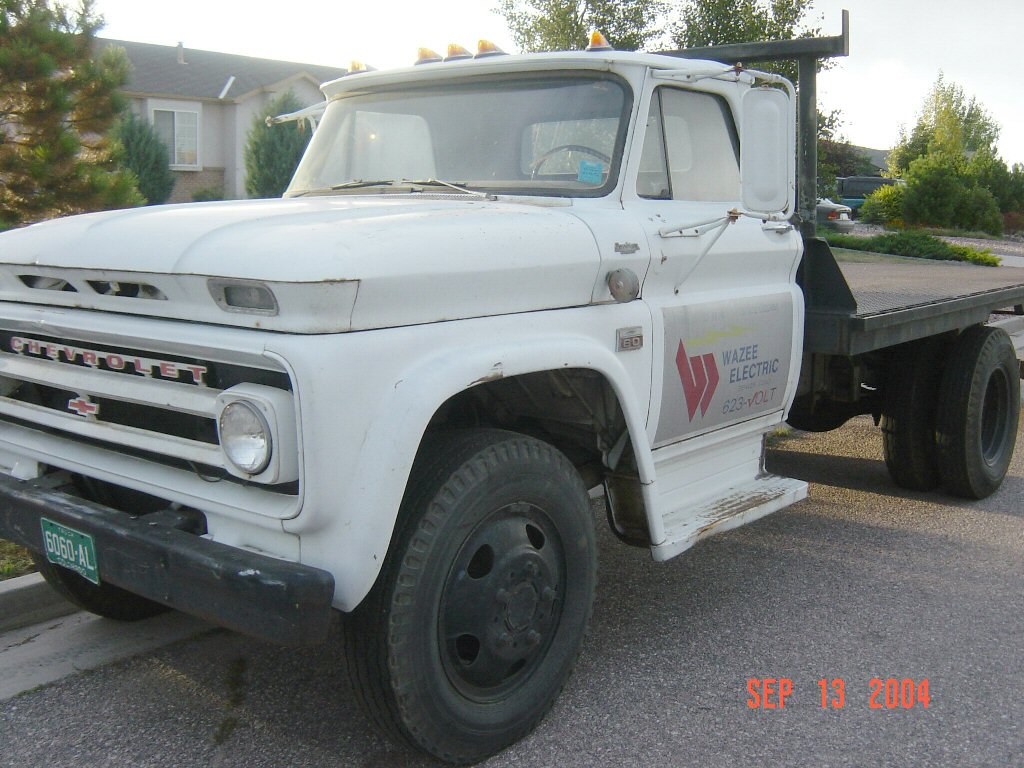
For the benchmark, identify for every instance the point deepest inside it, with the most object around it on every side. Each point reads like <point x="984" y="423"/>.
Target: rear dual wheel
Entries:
<point x="979" y="408"/>
<point x="950" y="414"/>
<point x="908" y="416"/>
<point x="475" y="622"/>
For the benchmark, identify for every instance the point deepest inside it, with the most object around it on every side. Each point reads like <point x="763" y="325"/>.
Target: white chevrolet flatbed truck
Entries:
<point x="492" y="285"/>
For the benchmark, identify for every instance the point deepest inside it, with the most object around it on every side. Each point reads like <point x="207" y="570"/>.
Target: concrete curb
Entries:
<point x="29" y="600"/>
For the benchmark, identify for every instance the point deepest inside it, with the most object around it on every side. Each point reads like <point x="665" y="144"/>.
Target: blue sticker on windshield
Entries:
<point x="590" y="172"/>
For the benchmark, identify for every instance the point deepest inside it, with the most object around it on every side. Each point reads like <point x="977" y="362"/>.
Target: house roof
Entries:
<point x="156" y="70"/>
<point x="877" y="157"/>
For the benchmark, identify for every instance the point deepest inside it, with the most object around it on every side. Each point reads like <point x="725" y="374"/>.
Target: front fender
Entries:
<point x="355" y="480"/>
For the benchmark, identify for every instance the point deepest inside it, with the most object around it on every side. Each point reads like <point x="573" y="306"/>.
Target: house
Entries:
<point x="202" y="104"/>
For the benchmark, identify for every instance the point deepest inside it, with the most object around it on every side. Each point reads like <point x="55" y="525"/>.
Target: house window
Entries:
<point x="179" y="131"/>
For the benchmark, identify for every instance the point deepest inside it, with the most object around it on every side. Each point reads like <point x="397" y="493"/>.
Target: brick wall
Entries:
<point x="187" y="182"/>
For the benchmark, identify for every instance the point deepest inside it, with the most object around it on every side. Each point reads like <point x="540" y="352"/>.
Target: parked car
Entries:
<point x="834" y="215"/>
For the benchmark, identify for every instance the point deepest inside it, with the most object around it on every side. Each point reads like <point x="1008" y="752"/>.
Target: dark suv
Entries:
<point x="853" y="189"/>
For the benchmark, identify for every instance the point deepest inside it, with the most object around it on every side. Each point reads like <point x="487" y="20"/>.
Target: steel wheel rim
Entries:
<point x="994" y="410"/>
<point x="502" y="602"/>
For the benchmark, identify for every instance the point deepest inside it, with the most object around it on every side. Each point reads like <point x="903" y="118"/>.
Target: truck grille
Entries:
<point x="153" y="405"/>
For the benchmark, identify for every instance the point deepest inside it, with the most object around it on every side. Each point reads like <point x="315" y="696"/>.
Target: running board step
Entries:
<point x="743" y="504"/>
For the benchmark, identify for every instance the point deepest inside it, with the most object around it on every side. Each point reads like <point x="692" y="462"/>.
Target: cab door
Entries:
<point x="721" y="288"/>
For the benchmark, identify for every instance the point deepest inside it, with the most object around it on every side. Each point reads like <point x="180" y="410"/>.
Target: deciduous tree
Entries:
<point x="564" y="25"/>
<point x="57" y="102"/>
<point x="718" y="22"/>
<point x="949" y="122"/>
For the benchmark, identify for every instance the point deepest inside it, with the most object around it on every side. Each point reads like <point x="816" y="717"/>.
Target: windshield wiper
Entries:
<point x="358" y="183"/>
<point x="450" y="185"/>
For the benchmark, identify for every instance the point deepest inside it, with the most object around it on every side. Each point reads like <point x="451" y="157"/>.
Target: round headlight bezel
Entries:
<point x="253" y="468"/>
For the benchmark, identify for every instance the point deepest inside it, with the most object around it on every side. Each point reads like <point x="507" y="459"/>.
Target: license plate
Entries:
<point x="70" y="549"/>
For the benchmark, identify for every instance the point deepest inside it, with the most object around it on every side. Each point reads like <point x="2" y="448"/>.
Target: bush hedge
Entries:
<point x="884" y="206"/>
<point x="916" y="245"/>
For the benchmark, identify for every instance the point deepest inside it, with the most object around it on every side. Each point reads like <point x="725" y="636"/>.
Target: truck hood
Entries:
<point x="333" y="263"/>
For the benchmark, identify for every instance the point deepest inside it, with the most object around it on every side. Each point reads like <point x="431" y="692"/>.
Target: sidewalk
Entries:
<point x="44" y="653"/>
<point x="29" y="600"/>
<point x="44" y="638"/>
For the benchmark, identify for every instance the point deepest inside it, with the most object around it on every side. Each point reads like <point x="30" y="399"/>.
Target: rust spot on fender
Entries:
<point x="497" y="372"/>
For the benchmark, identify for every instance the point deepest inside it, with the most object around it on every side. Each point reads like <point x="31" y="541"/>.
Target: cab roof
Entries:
<point x="597" y="61"/>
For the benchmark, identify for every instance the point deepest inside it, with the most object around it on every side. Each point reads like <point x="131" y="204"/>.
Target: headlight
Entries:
<point x="245" y="437"/>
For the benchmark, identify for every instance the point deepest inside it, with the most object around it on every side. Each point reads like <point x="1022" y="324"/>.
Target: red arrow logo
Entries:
<point x="699" y="376"/>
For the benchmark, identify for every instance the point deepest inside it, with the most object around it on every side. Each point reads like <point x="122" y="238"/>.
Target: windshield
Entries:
<point x="525" y="135"/>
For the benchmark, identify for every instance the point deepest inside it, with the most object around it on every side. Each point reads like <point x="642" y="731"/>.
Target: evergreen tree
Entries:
<point x="145" y="155"/>
<point x="273" y="152"/>
<point x="57" y="102"/>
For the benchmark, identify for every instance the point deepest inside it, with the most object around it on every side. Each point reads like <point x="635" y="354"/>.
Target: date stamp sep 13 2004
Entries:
<point x="881" y="693"/>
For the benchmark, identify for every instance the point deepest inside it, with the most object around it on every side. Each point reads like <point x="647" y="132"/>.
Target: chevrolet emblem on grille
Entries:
<point x="83" y="406"/>
<point x="123" y="362"/>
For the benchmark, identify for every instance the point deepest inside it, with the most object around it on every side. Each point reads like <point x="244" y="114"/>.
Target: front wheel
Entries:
<point x="475" y="622"/>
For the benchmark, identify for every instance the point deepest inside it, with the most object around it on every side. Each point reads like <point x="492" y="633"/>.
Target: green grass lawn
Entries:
<point x="14" y="561"/>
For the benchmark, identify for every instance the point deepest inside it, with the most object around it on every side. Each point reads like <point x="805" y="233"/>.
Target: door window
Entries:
<point x="691" y="139"/>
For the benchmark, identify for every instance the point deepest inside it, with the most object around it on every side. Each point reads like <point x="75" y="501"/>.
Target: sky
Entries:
<point x="897" y="47"/>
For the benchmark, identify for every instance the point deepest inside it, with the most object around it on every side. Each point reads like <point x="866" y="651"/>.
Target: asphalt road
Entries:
<point x="859" y="581"/>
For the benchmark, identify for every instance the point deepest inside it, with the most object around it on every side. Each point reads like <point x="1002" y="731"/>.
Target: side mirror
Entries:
<point x="768" y="152"/>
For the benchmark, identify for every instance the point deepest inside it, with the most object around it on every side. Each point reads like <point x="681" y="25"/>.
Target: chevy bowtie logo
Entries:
<point x="699" y="375"/>
<point x="83" y="406"/>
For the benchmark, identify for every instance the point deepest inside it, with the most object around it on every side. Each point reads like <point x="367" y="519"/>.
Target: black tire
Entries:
<point x="475" y="622"/>
<point x="104" y="600"/>
<point x="978" y="411"/>
<point x="908" y="416"/>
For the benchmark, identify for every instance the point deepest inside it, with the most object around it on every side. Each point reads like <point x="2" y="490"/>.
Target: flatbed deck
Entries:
<point x="853" y="308"/>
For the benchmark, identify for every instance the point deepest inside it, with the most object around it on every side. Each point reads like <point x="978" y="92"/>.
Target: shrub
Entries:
<point x="941" y="193"/>
<point x="1013" y="221"/>
<point x="207" y="194"/>
<point x="884" y="205"/>
<point x="977" y="209"/>
<point x="934" y="185"/>
<point x="145" y="155"/>
<point x="917" y="245"/>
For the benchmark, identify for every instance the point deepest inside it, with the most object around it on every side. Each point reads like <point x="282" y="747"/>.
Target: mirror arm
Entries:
<point x="698" y="228"/>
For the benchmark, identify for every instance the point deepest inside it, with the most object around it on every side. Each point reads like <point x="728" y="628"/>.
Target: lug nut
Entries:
<point x="532" y="637"/>
<point x="532" y="569"/>
<point x="504" y="640"/>
<point x="548" y="594"/>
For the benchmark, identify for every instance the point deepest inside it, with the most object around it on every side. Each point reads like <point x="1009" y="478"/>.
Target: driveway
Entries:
<point x="860" y="581"/>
